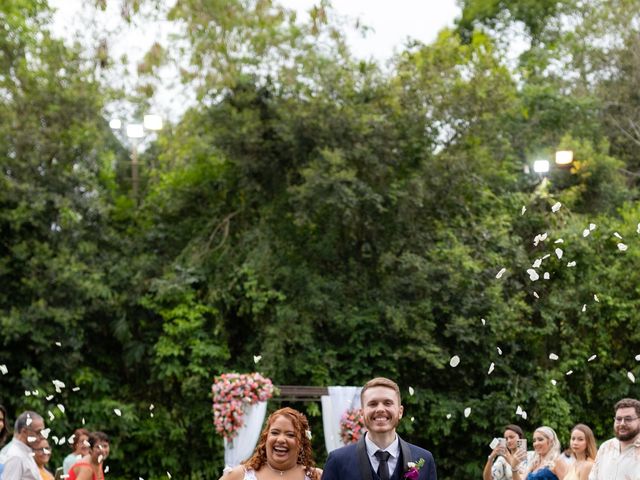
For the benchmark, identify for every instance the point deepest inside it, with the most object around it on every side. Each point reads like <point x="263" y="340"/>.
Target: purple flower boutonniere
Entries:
<point x="414" y="469"/>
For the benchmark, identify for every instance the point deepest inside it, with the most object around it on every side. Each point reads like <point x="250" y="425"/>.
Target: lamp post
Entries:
<point x="135" y="132"/>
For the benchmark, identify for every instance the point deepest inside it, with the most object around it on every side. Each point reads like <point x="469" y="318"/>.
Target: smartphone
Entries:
<point x="494" y="443"/>
<point x="502" y="442"/>
<point x="521" y="444"/>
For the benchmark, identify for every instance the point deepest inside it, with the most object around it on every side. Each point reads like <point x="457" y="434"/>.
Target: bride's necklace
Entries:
<point x="280" y="472"/>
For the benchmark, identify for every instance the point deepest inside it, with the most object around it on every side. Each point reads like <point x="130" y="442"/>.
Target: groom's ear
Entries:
<point x="401" y="410"/>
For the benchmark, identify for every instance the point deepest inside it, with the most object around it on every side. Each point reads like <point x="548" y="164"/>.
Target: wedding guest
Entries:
<point x="583" y="452"/>
<point x="80" y="448"/>
<point x="283" y="451"/>
<point x="89" y="467"/>
<point x="42" y="456"/>
<point x="497" y="466"/>
<point x="20" y="464"/>
<point x="4" y="421"/>
<point x="546" y="463"/>
<point x="380" y="451"/>
<point x="619" y="457"/>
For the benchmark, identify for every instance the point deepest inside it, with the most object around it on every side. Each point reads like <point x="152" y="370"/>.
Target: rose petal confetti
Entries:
<point x="535" y="294"/>
<point x="499" y="350"/>
<point x="413" y="419"/>
<point x="455" y="361"/>
<point x="586" y="232"/>
<point x="484" y="322"/>
<point x="595" y="297"/>
<point x="546" y="276"/>
<point x="411" y="391"/>
<point x="631" y="377"/>
<point x="559" y="241"/>
<point x="48" y="398"/>
<point x="27" y="393"/>
<point x="501" y="272"/>
<point x="533" y="275"/>
<point x="3" y="369"/>
<point x="617" y="235"/>
<point x="638" y="358"/>
<point x="584" y="308"/>
<point x="622" y="247"/>
<point x="52" y="417"/>
<point x="35" y="393"/>
<point x="638" y="228"/>
<point x="524" y="415"/>
<point x="31" y="439"/>
<point x="537" y="263"/>
<point x="58" y="384"/>
<point x="60" y="407"/>
<point x="524" y="209"/>
<point x="61" y="441"/>
<point x="556" y="207"/>
<point x="592" y="226"/>
<point x="591" y="358"/>
<point x="257" y="358"/>
<point x="569" y="372"/>
<point x="519" y="410"/>
<point x="559" y="253"/>
<point x="541" y="237"/>
<point x="59" y="344"/>
<point x="169" y="475"/>
<point x="491" y="368"/>
<point x="106" y="469"/>
<point x="553" y="356"/>
<point x="544" y="257"/>
<point x="117" y="411"/>
<point x="75" y="389"/>
<point x="554" y="383"/>
<point x="571" y="264"/>
<point x="45" y="432"/>
<point x="448" y="416"/>
<point x="467" y="412"/>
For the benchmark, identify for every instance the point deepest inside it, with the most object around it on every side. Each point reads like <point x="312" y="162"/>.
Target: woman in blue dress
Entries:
<point x="547" y="462"/>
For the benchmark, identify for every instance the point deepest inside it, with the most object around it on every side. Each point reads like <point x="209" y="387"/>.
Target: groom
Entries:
<point x="380" y="454"/>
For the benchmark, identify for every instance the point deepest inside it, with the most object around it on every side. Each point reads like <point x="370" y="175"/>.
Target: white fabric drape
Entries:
<point x="339" y="400"/>
<point x="243" y="444"/>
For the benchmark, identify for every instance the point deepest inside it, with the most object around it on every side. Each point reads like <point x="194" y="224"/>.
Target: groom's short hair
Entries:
<point x="381" y="382"/>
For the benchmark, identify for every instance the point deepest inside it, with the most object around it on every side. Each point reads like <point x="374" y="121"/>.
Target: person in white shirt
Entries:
<point x="619" y="457"/>
<point x="20" y="464"/>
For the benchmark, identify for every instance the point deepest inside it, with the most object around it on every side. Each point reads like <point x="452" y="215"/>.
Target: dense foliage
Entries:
<point x="339" y="221"/>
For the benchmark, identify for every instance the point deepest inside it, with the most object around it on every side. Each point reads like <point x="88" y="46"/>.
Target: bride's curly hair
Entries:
<point x="300" y="427"/>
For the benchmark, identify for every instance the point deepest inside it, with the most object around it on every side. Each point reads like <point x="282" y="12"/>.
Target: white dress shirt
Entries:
<point x="20" y="464"/>
<point x="393" y="449"/>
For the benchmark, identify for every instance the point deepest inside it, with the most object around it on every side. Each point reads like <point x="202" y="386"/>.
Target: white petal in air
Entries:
<point x="556" y="207"/>
<point x="491" y="368"/>
<point x="546" y="276"/>
<point x="117" y="411"/>
<point x="60" y="407"/>
<point x="622" y="247"/>
<point x="257" y="358"/>
<point x="559" y="253"/>
<point x="553" y="356"/>
<point x="499" y="350"/>
<point x="455" y="361"/>
<point x="524" y="415"/>
<point x="631" y="377"/>
<point x="569" y="372"/>
<point x="524" y="209"/>
<point x="537" y="263"/>
<point x="592" y="358"/>
<point x="584" y="308"/>
<point x="45" y="432"/>
<point x="586" y="232"/>
<point x="519" y="410"/>
<point x="617" y="235"/>
<point x="533" y="275"/>
<point x="638" y="358"/>
<point x="484" y="322"/>
<point x="595" y="297"/>
<point x="571" y="264"/>
<point x="554" y="383"/>
<point x="467" y="412"/>
<point x="448" y="416"/>
<point x="592" y="226"/>
<point x="3" y="369"/>
<point x="535" y="294"/>
<point x="411" y="391"/>
<point x="501" y="272"/>
<point x="559" y="241"/>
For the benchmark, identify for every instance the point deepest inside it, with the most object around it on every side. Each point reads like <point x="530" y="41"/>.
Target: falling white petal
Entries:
<point x="257" y="358"/>
<point x="499" y="350"/>
<point x="491" y="368"/>
<point x="31" y="439"/>
<point x="411" y="391"/>
<point x="169" y="475"/>
<point x="559" y="253"/>
<point x="571" y="264"/>
<point x="617" y="235"/>
<point x="533" y="275"/>
<point x="60" y="407"/>
<point x="455" y="361"/>
<point x="622" y="247"/>
<point x="591" y="358"/>
<point x="484" y="322"/>
<point x="537" y="263"/>
<point x="553" y="356"/>
<point x="638" y="358"/>
<point x="544" y="257"/>
<point x="48" y="398"/>
<point x="595" y="297"/>
<point x="524" y="415"/>
<point x="106" y="469"/>
<point x="27" y="393"/>
<point x="448" y="416"/>
<point x="592" y="226"/>
<point x="467" y="412"/>
<point x="519" y="410"/>
<point x="631" y="377"/>
<point x="524" y="209"/>
<point x="535" y="294"/>
<point x="546" y="276"/>
<point x="45" y="432"/>
<point x="75" y="389"/>
<point x="3" y="369"/>
<point x="638" y="228"/>
<point x="501" y="272"/>
<point x="152" y="406"/>
<point x="556" y="207"/>
<point x="117" y="411"/>
<point x="586" y="232"/>
<point x="59" y="344"/>
<point x="52" y="417"/>
<point x="569" y="372"/>
<point x="554" y="383"/>
<point x="559" y="241"/>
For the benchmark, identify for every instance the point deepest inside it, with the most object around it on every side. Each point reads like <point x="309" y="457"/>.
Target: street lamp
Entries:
<point x="564" y="157"/>
<point x="135" y="132"/>
<point x="541" y="166"/>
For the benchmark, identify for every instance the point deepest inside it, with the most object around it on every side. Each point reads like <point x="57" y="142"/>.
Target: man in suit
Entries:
<point x="380" y="454"/>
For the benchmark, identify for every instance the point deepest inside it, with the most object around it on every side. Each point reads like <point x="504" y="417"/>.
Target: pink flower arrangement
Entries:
<point x="351" y="426"/>
<point x="414" y="469"/>
<point x="231" y="392"/>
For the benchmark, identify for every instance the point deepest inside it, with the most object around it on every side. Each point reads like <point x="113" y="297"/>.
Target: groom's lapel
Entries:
<point x="363" y="460"/>
<point x="406" y="455"/>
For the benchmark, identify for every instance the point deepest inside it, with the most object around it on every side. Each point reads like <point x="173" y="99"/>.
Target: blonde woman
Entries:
<point x="583" y="451"/>
<point x="546" y="463"/>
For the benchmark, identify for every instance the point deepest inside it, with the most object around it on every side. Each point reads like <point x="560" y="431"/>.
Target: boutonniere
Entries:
<point x="414" y="469"/>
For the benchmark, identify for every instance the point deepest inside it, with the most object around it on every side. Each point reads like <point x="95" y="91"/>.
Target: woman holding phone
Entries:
<point x="546" y="463"/>
<point x="583" y="451"/>
<point x="497" y="466"/>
